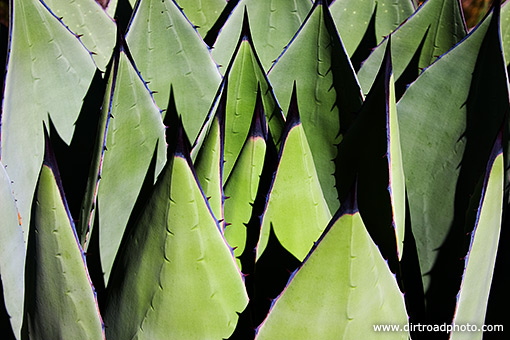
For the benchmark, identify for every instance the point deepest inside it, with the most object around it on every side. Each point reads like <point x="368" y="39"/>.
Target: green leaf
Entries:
<point x="352" y="19"/>
<point x="202" y="13"/>
<point x="245" y="77"/>
<point x="295" y="208"/>
<point x="480" y="260"/>
<point x="371" y="155"/>
<point x="277" y="22"/>
<point x="242" y="186"/>
<point x="12" y="254"/>
<point x="176" y="277"/>
<point x="134" y="128"/>
<point x="329" y="94"/>
<point x="341" y="291"/>
<point x="168" y="51"/>
<point x="448" y="125"/>
<point x="48" y="74"/>
<point x="91" y="24"/>
<point x="60" y="301"/>
<point x="209" y="161"/>
<point x="431" y="31"/>
<point x="505" y="31"/>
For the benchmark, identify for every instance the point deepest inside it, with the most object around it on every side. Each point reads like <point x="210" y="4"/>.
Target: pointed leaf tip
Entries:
<point x="258" y="124"/>
<point x="293" y="117"/>
<point x="245" y="30"/>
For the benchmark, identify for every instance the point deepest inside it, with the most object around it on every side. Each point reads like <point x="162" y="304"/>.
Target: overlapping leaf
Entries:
<point x="91" y="24"/>
<point x="58" y="289"/>
<point x="176" y="277"/>
<point x="12" y="254"/>
<point x="295" y="208"/>
<point x="329" y="94"/>
<point x="352" y="19"/>
<point x="447" y="127"/>
<point x="245" y="78"/>
<point x="341" y="291"/>
<point x="202" y="13"/>
<point x="168" y="51"/>
<point x="43" y="54"/>
<point x="133" y="129"/>
<point x="371" y="154"/>
<point x="479" y="266"/>
<point x="242" y="186"/>
<point x="277" y="22"/>
<point x="431" y="31"/>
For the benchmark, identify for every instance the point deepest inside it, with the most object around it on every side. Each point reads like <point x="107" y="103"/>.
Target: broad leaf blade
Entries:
<point x="480" y="260"/>
<point x="12" y="254"/>
<point x="43" y="53"/>
<point x="134" y="128"/>
<point x="60" y="301"/>
<point x="202" y="13"/>
<point x="277" y="22"/>
<point x="438" y="22"/>
<point x="89" y="21"/>
<point x="295" y="208"/>
<point x="341" y="291"/>
<point x="328" y="92"/>
<point x="168" y="51"/>
<point x="448" y="125"/>
<point x="176" y="276"/>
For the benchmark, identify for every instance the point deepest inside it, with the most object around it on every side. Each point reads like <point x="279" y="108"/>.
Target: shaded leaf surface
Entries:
<point x="176" y="276"/>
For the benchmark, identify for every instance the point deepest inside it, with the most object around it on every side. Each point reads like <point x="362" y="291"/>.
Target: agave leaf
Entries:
<point x="329" y="94"/>
<point x="60" y="301"/>
<point x="505" y="31"/>
<point x="448" y="125"/>
<point x="111" y="8"/>
<point x="343" y="288"/>
<point x="434" y="28"/>
<point x="295" y="208"/>
<point x="352" y="19"/>
<point x="202" y="13"/>
<point x="168" y="50"/>
<point x="91" y="24"/>
<point x="176" y="277"/>
<point x="133" y="129"/>
<point x="209" y="161"/>
<point x="371" y="155"/>
<point x="480" y="260"/>
<point x="43" y="52"/>
<point x="242" y="186"/>
<point x="245" y="77"/>
<point x="12" y="254"/>
<point x="277" y="22"/>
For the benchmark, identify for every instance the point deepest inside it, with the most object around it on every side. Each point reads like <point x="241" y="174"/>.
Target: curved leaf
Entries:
<point x="12" y="254"/>
<point x="352" y="19"/>
<point x="437" y="25"/>
<point x="480" y="260"/>
<point x="329" y="94"/>
<point x="242" y="186"/>
<point x="202" y="13"/>
<point x="43" y="53"/>
<point x="91" y="24"/>
<point x="176" y="277"/>
<point x="133" y="130"/>
<point x="341" y="291"/>
<point x="448" y="125"/>
<point x="168" y="51"/>
<point x="245" y="78"/>
<point x="60" y="301"/>
<point x="295" y="208"/>
<point x="277" y="22"/>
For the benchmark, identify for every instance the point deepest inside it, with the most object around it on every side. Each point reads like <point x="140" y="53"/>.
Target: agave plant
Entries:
<point x="252" y="169"/>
